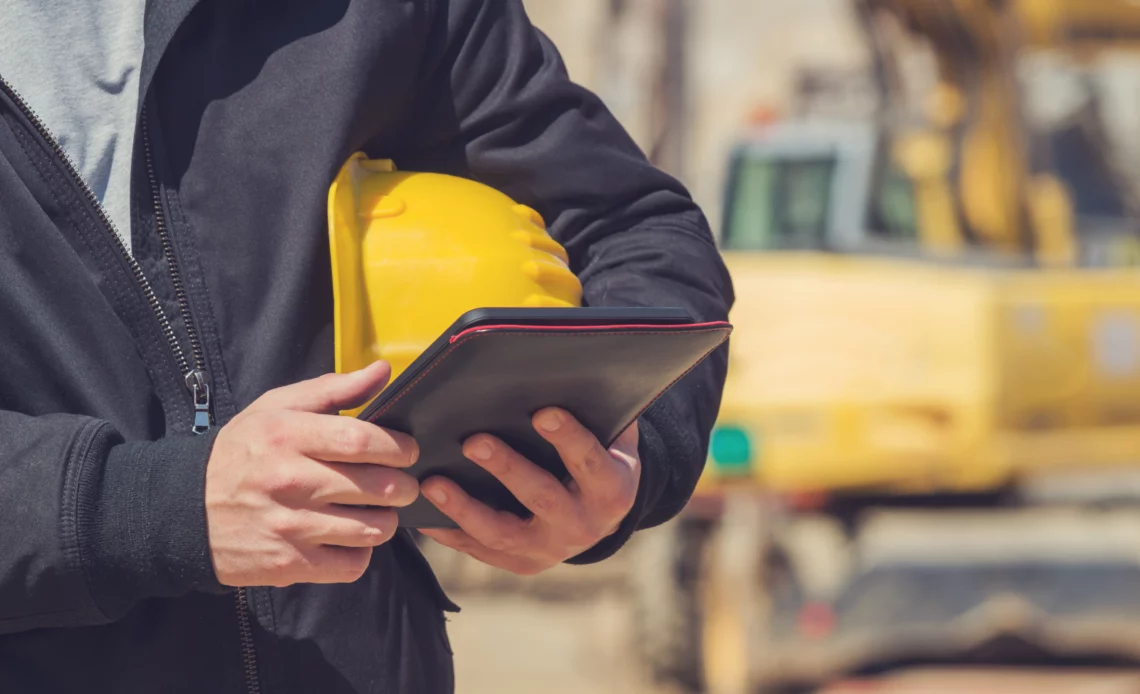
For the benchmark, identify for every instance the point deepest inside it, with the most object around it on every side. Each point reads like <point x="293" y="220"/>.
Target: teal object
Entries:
<point x="731" y="451"/>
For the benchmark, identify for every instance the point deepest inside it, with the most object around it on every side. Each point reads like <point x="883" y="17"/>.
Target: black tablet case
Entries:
<point x="493" y="378"/>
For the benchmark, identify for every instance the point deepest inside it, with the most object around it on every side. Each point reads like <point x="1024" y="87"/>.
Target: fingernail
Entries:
<point x="436" y="495"/>
<point x="550" y="421"/>
<point x="481" y="451"/>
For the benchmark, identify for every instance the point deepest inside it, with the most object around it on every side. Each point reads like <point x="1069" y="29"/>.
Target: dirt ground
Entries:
<point x="571" y="631"/>
<point x="527" y="645"/>
<point x="567" y="632"/>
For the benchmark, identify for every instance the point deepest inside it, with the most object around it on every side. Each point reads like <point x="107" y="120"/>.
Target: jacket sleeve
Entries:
<point x="497" y="106"/>
<point x="90" y="525"/>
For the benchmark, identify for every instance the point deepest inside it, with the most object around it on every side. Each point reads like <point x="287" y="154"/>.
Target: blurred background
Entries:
<point x="926" y="470"/>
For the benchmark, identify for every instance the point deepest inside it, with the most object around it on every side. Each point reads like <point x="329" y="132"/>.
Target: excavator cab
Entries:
<point x="845" y="187"/>
<point x="818" y="186"/>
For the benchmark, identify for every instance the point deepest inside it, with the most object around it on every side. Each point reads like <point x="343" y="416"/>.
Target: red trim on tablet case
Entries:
<point x="584" y="329"/>
<point x="606" y="328"/>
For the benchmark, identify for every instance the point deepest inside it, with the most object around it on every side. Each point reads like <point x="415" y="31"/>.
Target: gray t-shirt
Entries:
<point x="76" y="64"/>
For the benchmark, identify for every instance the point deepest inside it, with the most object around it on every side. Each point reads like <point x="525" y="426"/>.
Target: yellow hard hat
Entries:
<point x="412" y="252"/>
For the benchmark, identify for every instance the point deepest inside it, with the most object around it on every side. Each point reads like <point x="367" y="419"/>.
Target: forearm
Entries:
<point x="90" y="525"/>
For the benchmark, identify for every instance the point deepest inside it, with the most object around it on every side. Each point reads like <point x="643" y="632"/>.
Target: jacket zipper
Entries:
<point x="194" y="374"/>
<point x="199" y="386"/>
<point x="248" y="649"/>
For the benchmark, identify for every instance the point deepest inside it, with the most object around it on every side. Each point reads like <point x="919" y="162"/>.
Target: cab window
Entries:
<point x="893" y="212"/>
<point x="778" y="204"/>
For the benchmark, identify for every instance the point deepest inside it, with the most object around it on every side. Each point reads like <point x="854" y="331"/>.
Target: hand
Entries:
<point x="568" y="519"/>
<point x="286" y="476"/>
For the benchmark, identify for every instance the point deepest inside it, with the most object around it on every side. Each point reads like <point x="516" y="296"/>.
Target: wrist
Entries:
<point x="141" y="520"/>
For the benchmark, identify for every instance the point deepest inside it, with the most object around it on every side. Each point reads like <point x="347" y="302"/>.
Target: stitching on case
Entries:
<point x="613" y="330"/>
<point x="452" y="348"/>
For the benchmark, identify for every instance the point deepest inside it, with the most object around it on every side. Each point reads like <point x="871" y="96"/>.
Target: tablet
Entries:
<point x="494" y="368"/>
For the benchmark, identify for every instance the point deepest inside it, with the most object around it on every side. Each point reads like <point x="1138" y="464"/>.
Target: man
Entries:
<point x="164" y="271"/>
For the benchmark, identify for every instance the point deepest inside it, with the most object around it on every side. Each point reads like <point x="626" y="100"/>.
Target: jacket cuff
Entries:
<point x="654" y="455"/>
<point x="141" y="520"/>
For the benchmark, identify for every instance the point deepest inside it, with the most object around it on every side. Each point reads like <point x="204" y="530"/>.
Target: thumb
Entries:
<point x="330" y="393"/>
<point x="626" y="445"/>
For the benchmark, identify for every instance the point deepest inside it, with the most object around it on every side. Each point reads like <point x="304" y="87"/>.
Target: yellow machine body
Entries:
<point x="412" y="252"/>
<point x="857" y="374"/>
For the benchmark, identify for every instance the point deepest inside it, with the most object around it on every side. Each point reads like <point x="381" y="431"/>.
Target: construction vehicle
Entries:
<point x="934" y="311"/>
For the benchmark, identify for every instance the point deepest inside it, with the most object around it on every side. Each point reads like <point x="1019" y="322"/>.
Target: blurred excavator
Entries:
<point x="937" y="352"/>
<point x="979" y="178"/>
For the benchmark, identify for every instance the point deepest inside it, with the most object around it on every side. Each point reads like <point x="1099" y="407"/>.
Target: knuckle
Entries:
<point x="596" y="460"/>
<point x="456" y="541"/>
<point x="502" y="465"/>
<point x="400" y="490"/>
<point x="283" y="480"/>
<point x="499" y="542"/>
<point x="272" y="430"/>
<point x="321" y="389"/>
<point x="282" y="565"/>
<point x="352" y="440"/>
<point x="459" y="511"/>
<point x="327" y="379"/>
<point x="545" y="500"/>
<point x="276" y="440"/>
<point x="510" y="542"/>
<point x="368" y="532"/>
<point x="284" y="525"/>
<point x="543" y="503"/>
<point x="268" y="400"/>
<point x="373" y="534"/>
<point x="380" y="484"/>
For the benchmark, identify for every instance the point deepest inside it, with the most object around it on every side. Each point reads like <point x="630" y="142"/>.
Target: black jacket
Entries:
<point x="248" y="110"/>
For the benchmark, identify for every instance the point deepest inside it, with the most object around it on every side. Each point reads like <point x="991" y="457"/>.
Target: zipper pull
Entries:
<point x="200" y="390"/>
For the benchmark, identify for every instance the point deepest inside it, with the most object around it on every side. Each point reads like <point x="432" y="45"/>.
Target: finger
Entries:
<point x="330" y="564"/>
<point x="626" y="450"/>
<point x="348" y="440"/>
<point x="367" y="485"/>
<point x="538" y="490"/>
<point x="597" y="473"/>
<point x="627" y="443"/>
<point x="462" y="542"/>
<point x="497" y="530"/>
<point x="348" y="526"/>
<point x="330" y="393"/>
